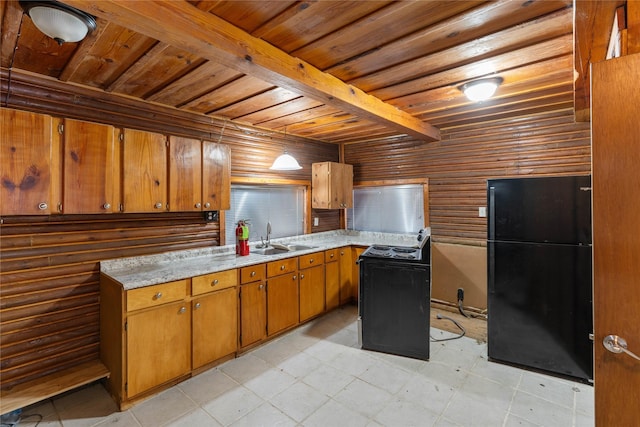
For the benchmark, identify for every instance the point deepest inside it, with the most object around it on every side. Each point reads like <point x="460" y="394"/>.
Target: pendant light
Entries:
<point x="60" y="22"/>
<point x="481" y="90"/>
<point x="285" y="161"/>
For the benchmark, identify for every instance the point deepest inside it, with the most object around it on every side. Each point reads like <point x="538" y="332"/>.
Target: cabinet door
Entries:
<point x="88" y="167"/>
<point x="282" y="302"/>
<point x="185" y="174"/>
<point x="215" y="326"/>
<point x="216" y="176"/>
<point x="311" y="292"/>
<point x="144" y="172"/>
<point x="332" y="284"/>
<point x="343" y="182"/>
<point x="346" y="271"/>
<point x="253" y="313"/>
<point x="29" y="160"/>
<point x="158" y="346"/>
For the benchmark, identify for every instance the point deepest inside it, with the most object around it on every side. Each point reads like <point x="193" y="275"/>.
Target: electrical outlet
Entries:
<point x="482" y="212"/>
<point x="211" y="216"/>
<point x="316" y="221"/>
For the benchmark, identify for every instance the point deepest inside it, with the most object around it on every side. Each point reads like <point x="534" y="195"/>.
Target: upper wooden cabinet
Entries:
<point x="332" y="185"/>
<point x="89" y="167"/>
<point x="185" y="174"/>
<point x="144" y="171"/>
<point x="216" y="176"/>
<point x="29" y="164"/>
<point x="199" y="175"/>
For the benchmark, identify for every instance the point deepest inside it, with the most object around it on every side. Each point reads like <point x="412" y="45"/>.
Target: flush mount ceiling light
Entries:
<point x="481" y="90"/>
<point x="59" y="21"/>
<point x="285" y="162"/>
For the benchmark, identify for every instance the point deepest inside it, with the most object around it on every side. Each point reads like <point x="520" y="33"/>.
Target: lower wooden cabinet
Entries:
<point x="253" y="305"/>
<point x="215" y="326"/>
<point x="158" y="346"/>
<point x="312" y="285"/>
<point x="282" y="302"/>
<point x="332" y="278"/>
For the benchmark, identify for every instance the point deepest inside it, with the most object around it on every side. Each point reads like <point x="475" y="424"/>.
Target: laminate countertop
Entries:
<point x="140" y="271"/>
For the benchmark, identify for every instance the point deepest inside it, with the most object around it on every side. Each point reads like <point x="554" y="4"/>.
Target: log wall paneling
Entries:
<point x="459" y="165"/>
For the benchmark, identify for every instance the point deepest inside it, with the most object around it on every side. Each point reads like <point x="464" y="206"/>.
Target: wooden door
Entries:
<point x="346" y="273"/>
<point x="253" y="313"/>
<point x="216" y="176"/>
<point x="89" y="168"/>
<point x="144" y="171"/>
<point x="215" y="326"/>
<point x="616" y="236"/>
<point x="332" y="284"/>
<point x="185" y="174"/>
<point x="158" y="346"/>
<point x="282" y="302"/>
<point x="311" y="292"/>
<point x="29" y="160"/>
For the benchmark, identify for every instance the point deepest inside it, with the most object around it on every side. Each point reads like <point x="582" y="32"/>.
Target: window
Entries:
<point x="283" y="206"/>
<point x="389" y="209"/>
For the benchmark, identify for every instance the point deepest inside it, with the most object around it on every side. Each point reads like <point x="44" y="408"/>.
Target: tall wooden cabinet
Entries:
<point x="30" y="164"/>
<point x="144" y="171"/>
<point x="331" y="185"/>
<point x="90" y="167"/>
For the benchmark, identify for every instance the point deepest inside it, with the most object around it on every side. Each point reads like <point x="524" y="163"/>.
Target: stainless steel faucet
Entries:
<point x="268" y="233"/>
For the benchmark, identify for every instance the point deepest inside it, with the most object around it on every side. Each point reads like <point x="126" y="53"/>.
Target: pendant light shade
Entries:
<point x="59" y="21"/>
<point x="285" y="162"/>
<point x="481" y="90"/>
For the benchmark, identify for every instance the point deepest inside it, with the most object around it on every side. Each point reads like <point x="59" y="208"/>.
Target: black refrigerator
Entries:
<point x="539" y="274"/>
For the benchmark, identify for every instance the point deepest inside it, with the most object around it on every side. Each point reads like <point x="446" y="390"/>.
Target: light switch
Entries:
<point x="482" y="212"/>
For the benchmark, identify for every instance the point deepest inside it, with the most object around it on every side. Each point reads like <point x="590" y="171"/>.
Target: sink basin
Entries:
<point x="277" y="249"/>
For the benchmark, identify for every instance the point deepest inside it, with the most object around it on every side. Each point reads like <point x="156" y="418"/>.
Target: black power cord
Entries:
<point x="462" y="333"/>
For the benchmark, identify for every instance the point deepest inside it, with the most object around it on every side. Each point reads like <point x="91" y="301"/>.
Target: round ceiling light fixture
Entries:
<point x="481" y="90"/>
<point x="285" y="162"/>
<point x="60" y="22"/>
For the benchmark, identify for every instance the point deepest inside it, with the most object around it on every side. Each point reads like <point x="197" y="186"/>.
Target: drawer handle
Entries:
<point x="311" y="261"/>
<point x="182" y="310"/>
<point x="253" y="273"/>
<point x="282" y="267"/>
<point x="158" y="295"/>
<point x="197" y="306"/>
<point x="215" y="282"/>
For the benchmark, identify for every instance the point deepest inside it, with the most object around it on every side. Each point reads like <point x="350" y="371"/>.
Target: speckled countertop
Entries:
<point x="136" y="272"/>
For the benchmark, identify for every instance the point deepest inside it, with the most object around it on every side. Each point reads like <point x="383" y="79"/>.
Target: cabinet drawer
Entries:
<point x="152" y="296"/>
<point x="287" y="265"/>
<point x="331" y="255"/>
<point x="311" y="260"/>
<point x="253" y="273"/>
<point x="214" y="281"/>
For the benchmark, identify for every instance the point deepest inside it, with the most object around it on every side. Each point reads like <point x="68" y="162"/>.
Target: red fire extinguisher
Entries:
<point x="242" y="238"/>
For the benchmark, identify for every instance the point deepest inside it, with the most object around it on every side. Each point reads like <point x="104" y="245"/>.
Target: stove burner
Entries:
<point x="380" y="248"/>
<point x="404" y="250"/>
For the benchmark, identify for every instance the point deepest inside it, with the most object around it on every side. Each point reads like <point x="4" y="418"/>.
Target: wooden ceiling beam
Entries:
<point x="181" y="24"/>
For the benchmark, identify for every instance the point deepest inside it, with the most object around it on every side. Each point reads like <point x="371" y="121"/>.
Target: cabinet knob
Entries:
<point x="253" y="273"/>
<point x="198" y="205"/>
<point x="295" y="277"/>
<point x="302" y="276"/>
<point x="106" y="206"/>
<point x="261" y="286"/>
<point x="311" y="261"/>
<point x="158" y="295"/>
<point x="197" y="306"/>
<point x="158" y="205"/>
<point x="215" y="282"/>
<point x="341" y="252"/>
<point x="282" y="267"/>
<point x="43" y="206"/>
<point x="331" y="256"/>
<point x="207" y="205"/>
<point x="182" y="310"/>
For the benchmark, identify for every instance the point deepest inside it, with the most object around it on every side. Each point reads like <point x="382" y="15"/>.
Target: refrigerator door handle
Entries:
<point x="492" y="213"/>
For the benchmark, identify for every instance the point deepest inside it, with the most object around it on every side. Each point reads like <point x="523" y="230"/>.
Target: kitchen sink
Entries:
<point x="277" y="249"/>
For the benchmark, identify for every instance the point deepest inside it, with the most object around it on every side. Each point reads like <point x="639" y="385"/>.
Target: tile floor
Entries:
<point x="317" y="376"/>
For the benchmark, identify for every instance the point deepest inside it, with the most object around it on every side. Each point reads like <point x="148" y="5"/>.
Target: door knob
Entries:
<point x="616" y="344"/>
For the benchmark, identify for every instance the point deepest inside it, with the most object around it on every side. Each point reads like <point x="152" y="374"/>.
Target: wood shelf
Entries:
<point x="31" y="392"/>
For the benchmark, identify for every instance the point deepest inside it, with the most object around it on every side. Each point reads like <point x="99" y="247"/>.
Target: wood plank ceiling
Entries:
<point x="336" y="71"/>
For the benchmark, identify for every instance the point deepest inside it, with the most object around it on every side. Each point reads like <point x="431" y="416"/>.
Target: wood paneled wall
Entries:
<point x="459" y="165"/>
<point x="49" y="265"/>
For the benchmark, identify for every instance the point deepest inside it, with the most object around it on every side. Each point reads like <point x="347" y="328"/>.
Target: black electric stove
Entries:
<point x="394" y="298"/>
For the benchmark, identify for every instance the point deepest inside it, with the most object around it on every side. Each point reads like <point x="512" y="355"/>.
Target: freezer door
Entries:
<point x="540" y="307"/>
<point x="546" y="210"/>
